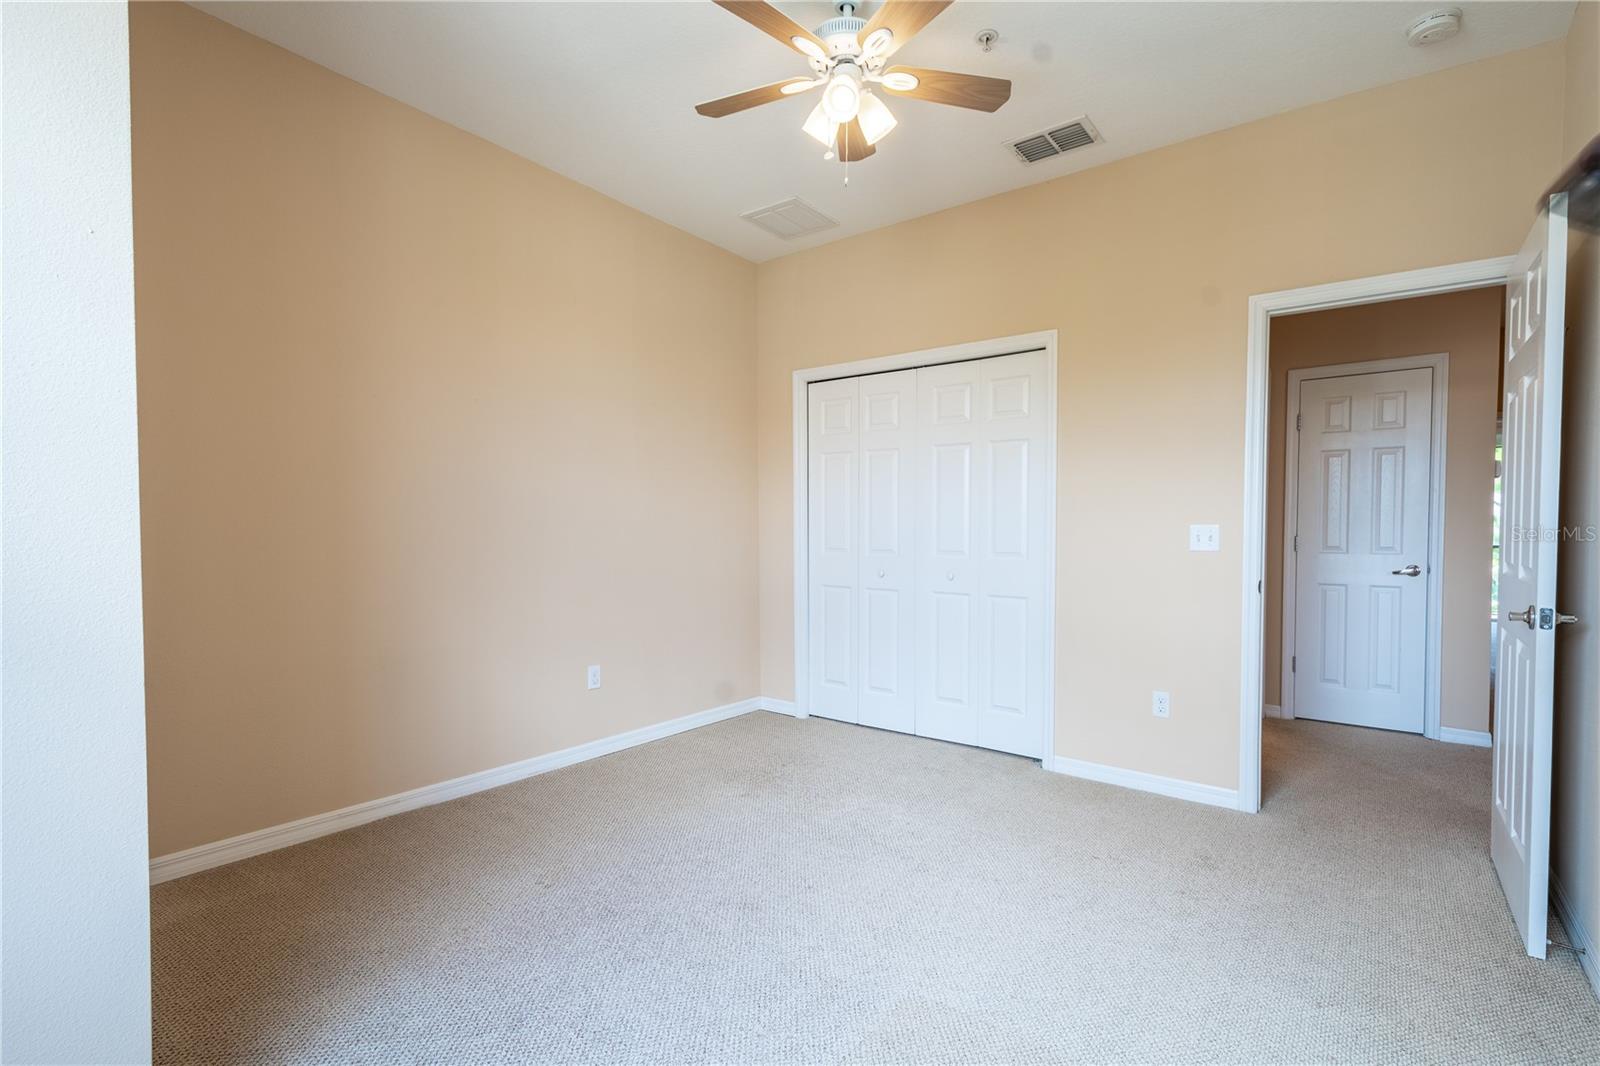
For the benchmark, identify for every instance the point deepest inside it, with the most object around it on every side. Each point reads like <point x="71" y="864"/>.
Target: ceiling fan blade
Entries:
<point x="903" y="18"/>
<point x="958" y="90"/>
<point x="766" y="94"/>
<point x="850" y="143"/>
<point x="771" y="21"/>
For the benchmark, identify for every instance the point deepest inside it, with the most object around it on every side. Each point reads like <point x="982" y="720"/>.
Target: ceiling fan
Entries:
<point x="848" y="57"/>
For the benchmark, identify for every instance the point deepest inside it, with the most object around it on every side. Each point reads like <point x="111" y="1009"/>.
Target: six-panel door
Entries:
<point x="1519" y="835"/>
<point x="1361" y="558"/>
<point x="834" y="530"/>
<point x="941" y="631"/>
<point x="888" y="560"/>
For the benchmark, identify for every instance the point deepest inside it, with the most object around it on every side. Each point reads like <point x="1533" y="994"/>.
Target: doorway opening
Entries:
<point x="1534" y="283"/>
<point x="1267" y="311"/>
<point x="1381" y="501"/>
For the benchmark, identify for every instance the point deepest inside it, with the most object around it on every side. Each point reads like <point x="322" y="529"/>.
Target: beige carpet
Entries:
<point x="769" y="889"/>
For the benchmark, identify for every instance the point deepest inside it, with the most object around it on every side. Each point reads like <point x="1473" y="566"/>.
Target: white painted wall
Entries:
<point x="74" y="895"/>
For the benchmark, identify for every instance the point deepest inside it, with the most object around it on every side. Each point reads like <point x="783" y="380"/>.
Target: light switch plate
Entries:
<point x="594" y="677"/>
<point x="1205" y="538"/>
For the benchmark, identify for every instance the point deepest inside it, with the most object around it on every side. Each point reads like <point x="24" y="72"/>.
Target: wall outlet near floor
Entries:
<point x="594" y="677"/>
<point x="1205" y="538"/>
<point x="1161" y="704"/>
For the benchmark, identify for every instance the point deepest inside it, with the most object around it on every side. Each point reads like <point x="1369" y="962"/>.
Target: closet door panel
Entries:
<point x="888" y="535"/>
<point x="834" y="535"/>
<point x="951" y="480"/>
<point x="1012" y="558"/>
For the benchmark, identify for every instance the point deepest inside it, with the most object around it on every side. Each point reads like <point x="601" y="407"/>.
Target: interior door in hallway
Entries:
<point x="1519" y="837"/>
<point x="981" y="552"/>
<point x="1361" y="549"/>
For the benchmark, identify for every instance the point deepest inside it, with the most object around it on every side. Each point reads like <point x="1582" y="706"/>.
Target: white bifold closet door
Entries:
<point x="927" y="551"/>
<point x="833" y="534"/>
<point x="887" y="696"/>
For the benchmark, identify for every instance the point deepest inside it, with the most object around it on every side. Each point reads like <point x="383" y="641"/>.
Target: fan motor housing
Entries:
<point x="841" y="35"/>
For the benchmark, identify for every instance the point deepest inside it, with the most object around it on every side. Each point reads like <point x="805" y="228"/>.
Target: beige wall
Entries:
<point x="425" y="429"/>
<point x="1467" y="325"/>
<point x="1576" y="829"/>
<point x="1145" y="266"/>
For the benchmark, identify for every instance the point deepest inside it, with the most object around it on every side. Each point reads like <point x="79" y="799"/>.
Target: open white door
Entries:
<point x="1520" y="833"/>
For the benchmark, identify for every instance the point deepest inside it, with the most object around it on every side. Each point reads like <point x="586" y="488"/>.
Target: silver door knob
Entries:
<point x="1566" y="619"/>
<point x="1408" y="571"/>
<point x="1523" y="616"/>
<point x="949" y="575"/>
<point x="880" y="573"/>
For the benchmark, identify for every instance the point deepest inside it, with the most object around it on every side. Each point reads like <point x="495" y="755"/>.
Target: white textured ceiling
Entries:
<point x="604" y="93"/>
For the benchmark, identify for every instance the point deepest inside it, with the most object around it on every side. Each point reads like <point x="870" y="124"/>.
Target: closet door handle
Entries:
<point x="949" y="575"/>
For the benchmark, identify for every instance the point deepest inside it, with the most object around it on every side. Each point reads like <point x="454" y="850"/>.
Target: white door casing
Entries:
<point x="1263" y="308"/>
<point x="888" y="405"/>
<point x="1361" y="554"/>
<point x="1530" y="520"/>
<point x="834" y="558"/>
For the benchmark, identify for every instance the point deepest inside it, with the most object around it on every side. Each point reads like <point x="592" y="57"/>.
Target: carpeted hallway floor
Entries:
<point x="768" y="889"/>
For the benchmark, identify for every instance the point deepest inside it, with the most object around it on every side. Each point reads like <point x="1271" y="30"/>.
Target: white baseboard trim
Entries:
<point x="1271" y="710"/>
<point x="781" y="707"/>
<point x="222" y="852"/>
<point x="1575" y="929"/>
<point x="1476" y="737"/>
<point x="1192" y="791"/>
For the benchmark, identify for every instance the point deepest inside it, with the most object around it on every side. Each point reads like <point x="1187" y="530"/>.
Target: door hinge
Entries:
<point x="1294" y="661"/>
<point x="1296" y="542"/>
<point x="1297" y="421"/>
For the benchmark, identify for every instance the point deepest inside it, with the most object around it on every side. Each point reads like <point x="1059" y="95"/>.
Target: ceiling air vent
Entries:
<point x="1079" y="133"/>
<point x="791" y="219"/>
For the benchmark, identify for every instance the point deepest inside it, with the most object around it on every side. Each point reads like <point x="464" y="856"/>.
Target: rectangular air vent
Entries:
<point x="790" y="219"/>
<point x="1079" y="133"/>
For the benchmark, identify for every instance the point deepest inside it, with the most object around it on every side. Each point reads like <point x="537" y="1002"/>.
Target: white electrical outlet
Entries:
<point x="594" y="677"/>
<point x="1161" y="704"/>
<point x="1205" y="538"/>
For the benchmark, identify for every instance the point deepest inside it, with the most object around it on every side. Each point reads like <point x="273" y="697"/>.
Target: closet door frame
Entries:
<point x="1045" y="342"/>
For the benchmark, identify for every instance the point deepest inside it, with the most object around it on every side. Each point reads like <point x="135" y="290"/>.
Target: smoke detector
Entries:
<point x="1438" y="26"/>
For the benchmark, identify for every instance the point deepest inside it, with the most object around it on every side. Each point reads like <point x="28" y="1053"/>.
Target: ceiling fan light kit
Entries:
<point x="876" y="119"/>
<point x="848" y="56"/>
<point x="842" y="98"/>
